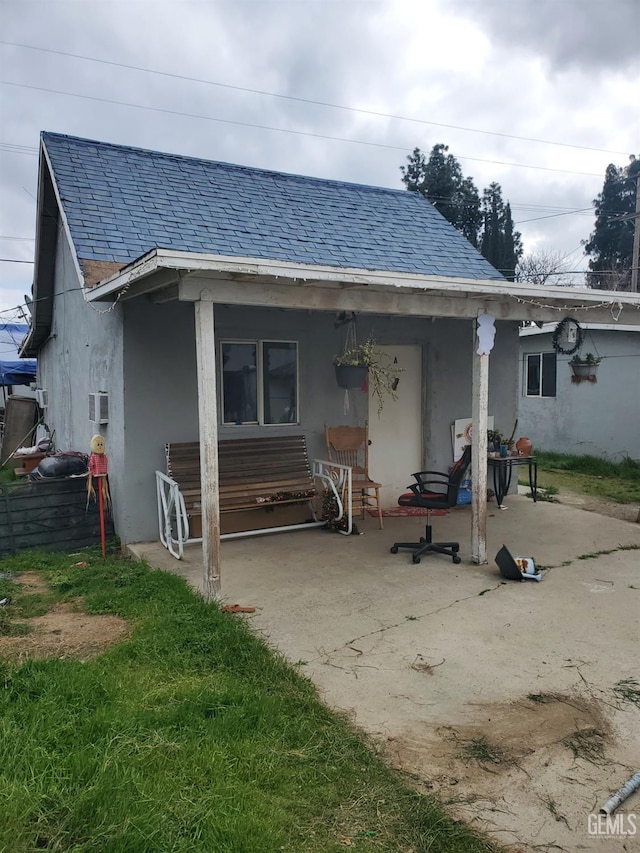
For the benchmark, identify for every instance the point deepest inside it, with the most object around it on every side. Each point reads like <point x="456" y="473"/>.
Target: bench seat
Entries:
<point x="265" y="484"/>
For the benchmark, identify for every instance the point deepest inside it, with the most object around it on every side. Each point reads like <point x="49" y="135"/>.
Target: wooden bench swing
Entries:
<point x="266" y="485"/>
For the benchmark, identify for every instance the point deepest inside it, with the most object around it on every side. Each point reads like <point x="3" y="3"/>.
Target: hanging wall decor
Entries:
<point x="567" y="337"/>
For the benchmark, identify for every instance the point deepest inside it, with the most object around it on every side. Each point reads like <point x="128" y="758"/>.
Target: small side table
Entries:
<point x="503" y="469"/>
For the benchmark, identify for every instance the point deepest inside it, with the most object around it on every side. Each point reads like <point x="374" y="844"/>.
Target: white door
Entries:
<point x="396" y="435"/>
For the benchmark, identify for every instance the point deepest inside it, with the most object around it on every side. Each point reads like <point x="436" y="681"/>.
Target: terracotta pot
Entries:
<point x="523" y="446"/>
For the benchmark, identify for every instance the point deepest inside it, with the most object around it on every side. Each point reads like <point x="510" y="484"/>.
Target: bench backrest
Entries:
<point x="253" y="472"/>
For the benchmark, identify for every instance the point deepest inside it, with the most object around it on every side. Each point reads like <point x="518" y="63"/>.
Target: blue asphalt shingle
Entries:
<point x="121" y="202"/>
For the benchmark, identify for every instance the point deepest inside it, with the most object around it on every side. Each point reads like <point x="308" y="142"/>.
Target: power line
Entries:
<point x="552" y="215"/>
<point x="306" y="100"/>
<point x="14" y="261"/>
<point x="18" y="149"/>
<point x="279" y="129"/>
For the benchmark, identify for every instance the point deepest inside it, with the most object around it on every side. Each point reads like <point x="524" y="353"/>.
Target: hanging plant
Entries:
<point x="584" y="368"/>
<point x="360" y="364"/>
<point x="559" y="339"/>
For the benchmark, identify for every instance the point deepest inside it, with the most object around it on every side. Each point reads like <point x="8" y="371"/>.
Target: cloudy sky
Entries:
<point x="539" y="95"/>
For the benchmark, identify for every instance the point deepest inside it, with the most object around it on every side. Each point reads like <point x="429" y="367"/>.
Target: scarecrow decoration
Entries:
<point x="98" y="465"/>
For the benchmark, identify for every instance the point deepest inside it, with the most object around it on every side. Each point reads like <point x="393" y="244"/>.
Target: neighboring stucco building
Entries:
<point x="160" y="278"/>
<point x="598" y="417"/>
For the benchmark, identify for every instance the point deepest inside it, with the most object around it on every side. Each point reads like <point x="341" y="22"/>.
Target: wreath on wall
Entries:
<point x="561" y="337"/>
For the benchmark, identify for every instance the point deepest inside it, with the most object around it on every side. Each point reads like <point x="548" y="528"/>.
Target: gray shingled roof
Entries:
<point x="121" y="202"/>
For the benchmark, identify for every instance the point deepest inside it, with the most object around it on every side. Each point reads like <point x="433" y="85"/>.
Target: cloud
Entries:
<point x="457" y="63"/>
<point x="589" y="35"/>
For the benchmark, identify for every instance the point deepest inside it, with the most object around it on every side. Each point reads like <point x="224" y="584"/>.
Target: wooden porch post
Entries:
<point x="208" y="421"/>
<point x="480" y="407"/>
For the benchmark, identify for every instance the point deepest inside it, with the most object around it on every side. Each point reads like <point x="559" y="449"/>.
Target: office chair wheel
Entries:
<point x="393" y="549"/>
<point x="456" y="559"/>
<point x="416" y="560"/>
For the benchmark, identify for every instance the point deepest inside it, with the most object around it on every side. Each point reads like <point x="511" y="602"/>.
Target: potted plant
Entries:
<point x="352" y="367"/>
<point x="584" y="368"/>
<point x="361" y="363"/>
<point x="494" y="440"/>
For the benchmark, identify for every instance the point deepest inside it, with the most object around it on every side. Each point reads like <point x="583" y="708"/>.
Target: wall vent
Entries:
<point x="99" y="407"/>
<point x="42" y="398"/>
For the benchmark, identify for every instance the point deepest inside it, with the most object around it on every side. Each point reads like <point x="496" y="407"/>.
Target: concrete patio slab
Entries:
<point x="503" y="698"/>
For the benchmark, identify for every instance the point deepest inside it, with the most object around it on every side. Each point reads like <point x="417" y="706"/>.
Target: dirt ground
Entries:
<point x="65" y="631"/>
<point x="526" y="757"/>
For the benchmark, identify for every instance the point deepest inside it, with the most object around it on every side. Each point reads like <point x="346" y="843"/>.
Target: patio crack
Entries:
<point x="385" y="628"/>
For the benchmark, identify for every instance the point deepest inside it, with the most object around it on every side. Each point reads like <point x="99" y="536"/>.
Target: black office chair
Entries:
<point x="446" y="496"/>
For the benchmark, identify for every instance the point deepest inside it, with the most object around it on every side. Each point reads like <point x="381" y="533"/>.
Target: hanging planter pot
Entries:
<point x="584" y="373"/>
<point x="351" y="375"/>
<point x="362" y="366"/>
<point x="584" y="369"/>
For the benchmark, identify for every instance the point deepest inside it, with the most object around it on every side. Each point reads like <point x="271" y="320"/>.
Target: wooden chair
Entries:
<point x="349" y="445"/>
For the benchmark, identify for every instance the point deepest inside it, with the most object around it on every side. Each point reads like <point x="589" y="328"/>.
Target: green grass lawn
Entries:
<point x="590" y="475"/>
<point x="189" y="735"/>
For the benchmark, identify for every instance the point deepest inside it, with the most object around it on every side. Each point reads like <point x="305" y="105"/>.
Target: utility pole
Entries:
<point x="635" y="258"/>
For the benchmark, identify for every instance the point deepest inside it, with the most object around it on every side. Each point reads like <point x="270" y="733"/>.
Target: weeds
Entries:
<point x="552" y="806"/>
<point x="483" y="752"/>
<point x="7" y="475"/>
<point x="548" y="493"/>
<point x="628" y="690"/>
<point x="587" y="744"/>
<point x="544" y="698"/>
<point x="593" y="554"/>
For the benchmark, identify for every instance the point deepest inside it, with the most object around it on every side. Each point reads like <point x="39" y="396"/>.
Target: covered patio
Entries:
<point x="431" y="660"/>
<point x="203" y="260"/>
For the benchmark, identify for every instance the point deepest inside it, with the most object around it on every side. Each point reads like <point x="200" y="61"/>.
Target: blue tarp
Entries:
<point x="14" y="370"/>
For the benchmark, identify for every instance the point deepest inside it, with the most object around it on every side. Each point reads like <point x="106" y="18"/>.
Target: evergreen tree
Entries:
<point x="611" y="243"/>
<point x="500" y="244"/>
<point x="440" y="180"/>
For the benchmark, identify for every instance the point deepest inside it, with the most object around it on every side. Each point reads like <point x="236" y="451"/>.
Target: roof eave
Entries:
<point x="558" y="298"/>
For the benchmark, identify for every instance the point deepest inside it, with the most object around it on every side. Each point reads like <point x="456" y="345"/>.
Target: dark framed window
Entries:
<point x="259" y="382"/>
<point x="540" y="374"/>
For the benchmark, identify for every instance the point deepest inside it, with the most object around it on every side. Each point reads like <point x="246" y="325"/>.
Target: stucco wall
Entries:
<point x="161" y="391"/>
<point x="83" y="354"/>
<point x="143" y="355"/>
<point x="600" y="419"/>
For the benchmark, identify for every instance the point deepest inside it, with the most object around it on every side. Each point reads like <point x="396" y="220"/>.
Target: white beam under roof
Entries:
<point x="293" y="285"/>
